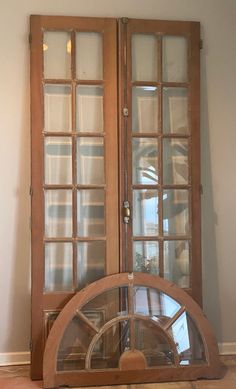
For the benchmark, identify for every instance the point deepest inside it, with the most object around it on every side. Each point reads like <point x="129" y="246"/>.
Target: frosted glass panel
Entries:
<point x="57" y="55"/>
<point x="175" y="161"/>
<point x="58" y="213"/>
<point x="175" y="212"/>
<point x="145" y="162"/>
<point x="89" y="113"/>
<point x="58" y="267"/>
<point x="144" y="109"/>
<point x="144" y="57"/>
<point x="145" y="212"/>
<point x="91" y="262"/>
<point x="146" y="257"/>
<point x="89" y="56"/>
<point x="57" y="108"/>
<point x="58" y="162"/>
<point x="176" y="262"/>
<point x="90" y="212"/>
<point x="90" y="161"/>
<point x="175" y="59"/>
<point x="175" y="110"/>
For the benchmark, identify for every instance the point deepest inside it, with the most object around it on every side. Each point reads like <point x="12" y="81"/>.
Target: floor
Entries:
<point x="17" y="377"/>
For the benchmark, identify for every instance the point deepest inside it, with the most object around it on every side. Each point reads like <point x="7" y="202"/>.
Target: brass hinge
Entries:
<point x="125" y="112"/>
<point x="126" y="212"/>
<point x="30" y="38"/>
<point x="201" y="44"/>
<point x="31" y="191"/>
<point x="30" y="345"/>
<point x="124" y="20"/>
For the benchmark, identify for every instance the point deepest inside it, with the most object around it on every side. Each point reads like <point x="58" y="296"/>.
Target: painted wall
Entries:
<point x="218" y="128"/>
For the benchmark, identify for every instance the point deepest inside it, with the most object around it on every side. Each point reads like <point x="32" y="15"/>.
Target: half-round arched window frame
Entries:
<point x="132" y="363"/>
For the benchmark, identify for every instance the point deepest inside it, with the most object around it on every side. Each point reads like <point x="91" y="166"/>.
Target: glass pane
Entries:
<point x="145" y="212"/>
<point x="144" y="57"/>
<point x="146" y="257"/>
<point x="144" y="109"/>
<point x="145" y="163"/>
<point x="74" y="345"/>
<point x="90" y="161"/>
<point x="175" y="161"/>
<point x="49" y="319"/>
<point x="112" y="303"/>
<point x="90" y="262"/>
<point x="89" y="56"/>
<point x="58" y="267"/>
<point x="150" y="341"/>
<point x="175" y="111"/>
<point x="58" y="162"/>
<point x="57" y="54"/>
<point x="155" y="304"/>
<point x="57" y="108"/>
<point x="58" y="213"/>
<point x="175" y="56"/>
<point x="90" y="212"/>
<point x="89" y="113"/>
<point x="108" y="349"/>
<point x="188" y="341"/>
<point x="175" y="212"/>
<point x="176" y="262"/>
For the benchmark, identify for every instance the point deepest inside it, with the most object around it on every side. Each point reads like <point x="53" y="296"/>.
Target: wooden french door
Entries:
<point x="115" y="157"/>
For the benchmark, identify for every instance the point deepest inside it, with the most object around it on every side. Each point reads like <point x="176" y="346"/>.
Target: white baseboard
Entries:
<point x="227" y="348"/>
<point x="16" y="358"/>
<point x="23" y="358"/>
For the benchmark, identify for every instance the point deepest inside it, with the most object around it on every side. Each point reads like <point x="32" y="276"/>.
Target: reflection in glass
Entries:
<point x="90" y="161"/>
<point x="144" y="164"/>
<point x="144" y="57"/>
<point x="155" y="304"/>
<point x="57" y="54"/>
<point x="175" y="59"/>
<point x="176" y="262"/>
<point x="175" y="161"/>
<point x="90" y="262"/>
<point x="146" y="257"/>
<point x="58" y="213"/>
<point x="153" y="344"/>
<point x="145" y="212"/>
<point x="175" y="212"/>
<point x="108" y="349"/>
<point x="74" y="345"/>
<point x="175" y="111"/>
<point x="58" y="267"/>
<point x="58" y="162"/>
<point x="89" y="113"/>
<point x="144" y="109"/>
<point x="57" y="108"/>
<point x="89" y="64"/>
<point x="188" y="341"/>
<point x="112" y="303"/>
<point x="90" y="212"/>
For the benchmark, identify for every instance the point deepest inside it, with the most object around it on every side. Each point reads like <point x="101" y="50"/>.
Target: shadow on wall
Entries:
<point x="211" y="300"/>
<point x="19" y="311"/>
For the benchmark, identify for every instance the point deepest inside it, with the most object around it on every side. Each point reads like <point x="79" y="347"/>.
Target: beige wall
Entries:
<point x="218" y="23"/>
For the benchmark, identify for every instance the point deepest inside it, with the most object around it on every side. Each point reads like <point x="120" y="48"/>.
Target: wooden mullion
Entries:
<point x="160" y="161"/>
<point x="129" y="150"/>
<point x="145" y="186"/>
<point x="145" y="135"/>
<point x="74" y="133"/>
<point x="56" y="81"/>
<point x="169" y="237"/>
<point x="90" y="82"/>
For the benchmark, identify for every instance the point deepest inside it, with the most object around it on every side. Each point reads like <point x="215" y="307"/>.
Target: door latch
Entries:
<point x="126" y="212"/>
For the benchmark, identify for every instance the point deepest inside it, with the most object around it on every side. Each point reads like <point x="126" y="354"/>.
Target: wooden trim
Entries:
<point x="37" y="174"/>
<point x="194" y="100"/>
<point x="212" y="369"/>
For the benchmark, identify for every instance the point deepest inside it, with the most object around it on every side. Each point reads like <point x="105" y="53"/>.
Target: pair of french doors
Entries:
<point x="115" y="157"/>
